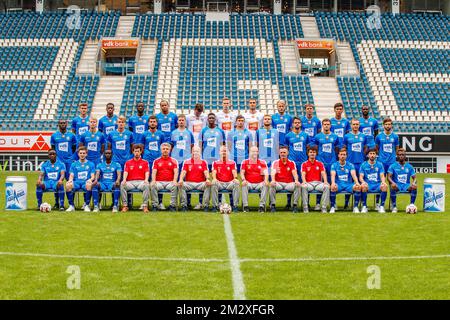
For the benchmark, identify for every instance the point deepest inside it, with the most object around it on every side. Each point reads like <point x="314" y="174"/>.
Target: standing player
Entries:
<point x="107" y="179"/>
<point x="282" y="121"/>
<point x="267" y="139"/>
<point x="164" y="177"/>
<point x="284" y="177"/>
<point x="94" y="141"/>
<point x="356" y="144"/>
<point x="120" y="141"/>
<point x="226" y="117"/>
<point x="210" y="140"/>
<point x="371" y="175"/>
<point x="167" y="121"/>
<point x="239" y="141"/>
<point x="135" y="176"/>
<point x="196" y="121"/>
<point x="51" y="178"/>
<point x="82" y="175"/>
<point x="138" y="123"/>
<point x="224" y="177"/>
<point x="253" y="118"/>
<point x="368" y="126"/>
<point x="108" y="123"/>
<point x="310" y="123"/>
<point x="255" y="176"/>
<point x="399" y="176"/>
<point x="339" y="126"/>
<point x="344" y="179"/>
<point x="314" y="178"/>
<point x="80" y="123"/>
<point x="195" y="176"/>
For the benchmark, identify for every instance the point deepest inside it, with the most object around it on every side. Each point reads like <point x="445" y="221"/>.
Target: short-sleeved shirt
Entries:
<point x="165" y="168"/>
<point x="93" y="142"/>
<point x="368" y="127"/>
<point x="283" y="170"/>
<point x="239" y="140"/>
<point x="387" y="147"/>
<point x="372" y="172"/>
<point x="212" y="140"/>
<point x="52" y="171"/>
<point x="283" y="124"/>
<point x="196" y="125"/>
<point x="152" y="144"/>
<point x="80" y="125"/>
<point x="136" y="169"/>
<point x="253" y="121"/>
<point x="268" y="143"/>
<point x="106" y="124"/>
<point x="121" y="145"/>
<point x="82" y="171"/>
<point x="313" y="170"/>
<point x="254" y="170"/>
<point x="167" y="123"/>
<point x="181" y="141"/>
<point x="343" y="172"/>
<point x="226" y="121"/>
<point x="311" y="126"/>
<point x="108" y="171"/>
<point x="64" y="143"/>
<point x="195" y="170"/>
<point x="340" y="127"/>
<point x="326" y="144"/>
<point x="138" y="125"/>
<point x="297" y="143"/>
<point x="401" y="174"/>
<point x="355" y="147"/>
<point x="224" y="170"/>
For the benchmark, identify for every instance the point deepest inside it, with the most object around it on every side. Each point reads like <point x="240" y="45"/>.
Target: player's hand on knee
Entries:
<point x="334" y="187"/>
<point x="394" y="186"/>
<point x="69" y="185"/>
<point x="357" y="187"/>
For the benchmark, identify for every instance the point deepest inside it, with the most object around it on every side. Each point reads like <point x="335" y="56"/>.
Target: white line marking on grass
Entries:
<point x="311" y="259"/>
<point x="88" y="257"/>
<point x="235" y="263"/>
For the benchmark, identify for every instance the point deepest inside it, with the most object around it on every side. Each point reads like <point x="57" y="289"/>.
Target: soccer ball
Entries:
<point x="45" y="207"/>
<point x="411" y="209"/>
<point x="225" y="208"/>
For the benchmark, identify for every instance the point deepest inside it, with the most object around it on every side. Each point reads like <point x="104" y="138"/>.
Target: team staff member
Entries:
<point x="135" y="176"/>
<point x="51" y="178"/>
<point x="284" y="177"/>
<point x="167" y="121"/>
<point x="94" y="141"/>
<point x="282" y="121"/>
<point x="164" y="177"/>
<point x="120" y="142"/>
<point x="224" y="177"/>
<point x="108" y="123"/>
<point x="314" y="177"/>
<point x="195" y="176"/>
<point x="255" y="176"/>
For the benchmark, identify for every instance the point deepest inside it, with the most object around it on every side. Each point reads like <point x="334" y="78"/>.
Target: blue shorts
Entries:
<point x="345" y="187"/>
<point x="106" y="186"/>
<point x="51" y="185"/>
<point x="238" y="167"/>
<point x="402" y="187"/>
<point x="67" y="173"/>
<point x="374" y="188"/>
<point x="79" y="186"/>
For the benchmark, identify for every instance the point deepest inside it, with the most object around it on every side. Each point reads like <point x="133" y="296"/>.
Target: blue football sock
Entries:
<point x="357" y="196"/>
<point x="61" y="196"/>
<point x="70" y="196"/>
<point x="87" y="197"/>
<point x="39" y="194"/>
<point x="394" y="198"/>
<point x="347" y="200"/>
<point x="116" y="196"/>
<point x="333" y="199"/>
<point x="413" y="196"/>
<point x="364" y="199"/>
<point x="95" y="195"/>
<point x="383" y="198"/>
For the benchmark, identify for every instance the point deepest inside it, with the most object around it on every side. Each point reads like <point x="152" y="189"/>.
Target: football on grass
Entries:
<point x="225" y="208"/>
<point x="411" y="209"/>
<point x="45" y="207"/>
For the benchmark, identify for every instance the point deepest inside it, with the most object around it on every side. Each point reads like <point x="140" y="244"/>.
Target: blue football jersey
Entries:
<point x="138" y="125"/>
<point x="167" y="123"/>
<point x="343" y="172"/>
<point x="283" y="124"/>
<point x="239" y="144"/>
<point x="52" y="171"/>
<point x="268" y="143"/>
<point x="106" y="124"/>
<point x="121" y="145"/>
<point x="80" y="125"/>
<point x="108" y="171"/>
<point x="372" y="172"/>
<point x="152" y="144"/>
<point x="401" y="174"/>
<point x="93" y="142"/>
<point x="298" y="143"/>
<point x="212" y="140"/>
<point x="355" y="147"/>
<point x="182" y="140"/>
<point x="311" y="126"/>
<point x="82" y="171"/>
<point x="387" y="147"/>
<point x="368" y="127"/>
<point x="340" y="128"/>
<point x="63" y="143"/>
<point x="326" y="144"/>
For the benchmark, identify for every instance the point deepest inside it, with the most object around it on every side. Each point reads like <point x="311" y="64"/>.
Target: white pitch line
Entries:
<point x="311" y="259"/>
<point x="88" y="257"/>
<point x="235" y="264"/>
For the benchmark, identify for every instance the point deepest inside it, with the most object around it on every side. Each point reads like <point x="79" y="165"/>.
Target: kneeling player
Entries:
<point x="107" y="179"/>
<point x="371" y="175"/>
<point x="344" y="179"/>
<point x="83" y="172"/>
<point x="51" y="179"/>
<point x="399" y="177"/>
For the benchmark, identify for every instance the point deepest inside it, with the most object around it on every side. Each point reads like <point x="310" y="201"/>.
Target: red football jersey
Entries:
<point x="136" y="169"/>
<point x="195" y="170"/>
<point x="165" y="168"/>
<point x="313" y="170"/>
<point x="254" y="170"/>
<point x="224" y="170"/>
<point x="283" y="170"/>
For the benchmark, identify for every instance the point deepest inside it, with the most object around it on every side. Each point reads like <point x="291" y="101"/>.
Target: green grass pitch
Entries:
<point x="187" y="255"/>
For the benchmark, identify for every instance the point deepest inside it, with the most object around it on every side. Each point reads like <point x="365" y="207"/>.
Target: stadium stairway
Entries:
<point x="110" y="89"/>
<point x="289" y="57"/>
<point x="309" y="27"/>
<point x="147" y="54"/>
<point x="125" y="26"/>
<point x="87" y="63"/>
<point x="326" y="93"/>
<point x="346" y="60"/>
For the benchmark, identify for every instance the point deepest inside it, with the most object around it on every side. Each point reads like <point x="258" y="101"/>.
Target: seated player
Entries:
<point x="314" y="178"/>
<point x="224" y="177"/>
<point x="164" y="177"/>
<point x="107" y="179"/>
<point x="255" y="176"/>
<point x="83" y="171"/>
<point x="284" y="177"/>
<point x="399" y="177"/>
<point x="135" y="176"/>
<point x="51" y="178"/>
<point x="195" y="176"/>
<point x="371" y="176"/>
<point x="344" y="179"/>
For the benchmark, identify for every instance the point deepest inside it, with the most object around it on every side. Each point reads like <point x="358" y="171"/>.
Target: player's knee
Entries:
<point x="383" y="188"/>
